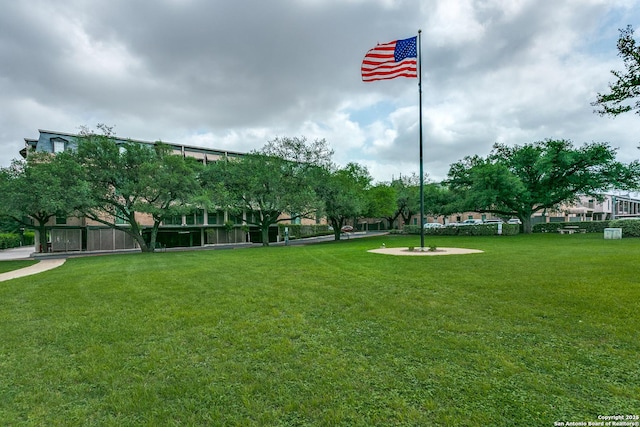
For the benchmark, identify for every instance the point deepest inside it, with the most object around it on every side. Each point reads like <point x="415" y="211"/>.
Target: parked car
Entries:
<point x="346" y="229"/>
<point x="493" y="221"/>
<point x="432" y="225"/>
<point x="514" y="221"/>
<point x="471" y="222"/>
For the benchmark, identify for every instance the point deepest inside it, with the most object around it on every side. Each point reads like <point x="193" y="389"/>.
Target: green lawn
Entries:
<point x="6" y="266"/>
<point x="536" y="330"/>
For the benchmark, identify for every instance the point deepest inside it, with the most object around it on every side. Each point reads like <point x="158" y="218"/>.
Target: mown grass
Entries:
<point x="6" y="266"/>
<point x="535" y="330"/>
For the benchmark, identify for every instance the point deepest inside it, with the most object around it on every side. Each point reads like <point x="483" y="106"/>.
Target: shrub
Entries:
<point x="466" y="230"/>
<point x="590" y="226"/>
<point x="9" y="240"/>
<point x="630" y="228"/>
<point x="548" y="227"/>
<point x="29" y="238"/>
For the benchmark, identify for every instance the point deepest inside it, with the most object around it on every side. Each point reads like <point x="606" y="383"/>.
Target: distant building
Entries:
<point x="587" y="208"/>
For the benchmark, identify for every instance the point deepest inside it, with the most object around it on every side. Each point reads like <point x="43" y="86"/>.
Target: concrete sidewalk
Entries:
<point x="25" y="253"/>
<point x="41" y="266"/>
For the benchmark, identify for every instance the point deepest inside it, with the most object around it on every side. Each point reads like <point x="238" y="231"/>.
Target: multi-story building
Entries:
<point x="199" y="228"/>
<point x="613" y="205"/>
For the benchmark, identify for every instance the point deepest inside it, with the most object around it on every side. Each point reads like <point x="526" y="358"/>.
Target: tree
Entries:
<point x="407" y="191"/>
<point x="270" y="183"/>
<point x="169" y="187"/>
<point x="128" y="178"/>
<point x="343" y="193"/>
<point x="438" y="200"/>
<point x="627" y="86"/>
<point x="521" y="180"/>
<point x="40" y="188"/>
<point x="382" y="199"/>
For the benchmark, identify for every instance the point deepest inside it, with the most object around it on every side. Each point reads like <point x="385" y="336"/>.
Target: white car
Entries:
<point x="494" y="221"/>
<point x="471" y="222"/>
<point x="514" y="221"/>
<point x="432" y="225"/>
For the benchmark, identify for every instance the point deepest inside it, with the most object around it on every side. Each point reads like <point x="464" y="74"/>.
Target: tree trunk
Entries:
<point x="42" y="236"/>
<point x="136" y="232"/>
<point x="337" y="228"/>
<point x="526" y="224"/>
<point x="154" y="237"/>
<point x="264" y="228"/>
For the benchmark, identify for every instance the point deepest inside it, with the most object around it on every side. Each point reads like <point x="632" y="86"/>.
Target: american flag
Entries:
<point x="398" y="58"/>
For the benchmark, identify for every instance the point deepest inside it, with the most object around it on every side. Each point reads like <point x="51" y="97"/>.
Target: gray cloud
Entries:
<point x="235" y="74"/>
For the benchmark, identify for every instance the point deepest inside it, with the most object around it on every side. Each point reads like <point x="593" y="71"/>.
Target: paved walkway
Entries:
<point x="25" y="253"/>
<point x="41" y="266"/>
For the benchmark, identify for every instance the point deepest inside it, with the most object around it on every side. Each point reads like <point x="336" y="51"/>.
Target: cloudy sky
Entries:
<point x="234" y="74"/>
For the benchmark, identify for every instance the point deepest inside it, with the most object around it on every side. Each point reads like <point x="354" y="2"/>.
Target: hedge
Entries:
<point x="9" y="240"/>
<point x="630" y="227"/>
<point x="465" y="230"/>
<point x="590" y="226"/>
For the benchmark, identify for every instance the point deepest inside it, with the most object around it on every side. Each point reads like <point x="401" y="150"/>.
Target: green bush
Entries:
<point x="29" y="238"/>
<point x="590" y="226"/>
<point x="9" y="240"/>
<point x="465" y="230"/>
<point x="630" y="228"/>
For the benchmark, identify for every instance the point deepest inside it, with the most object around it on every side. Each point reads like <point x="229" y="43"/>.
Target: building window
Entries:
<point x="61" y="220"/>
<point x="59" y="145"/>
<point x="195" y="218"/>
<point x="189" y="219"/>
<point x="199" y="216"/>
<point x="173" y="220"/>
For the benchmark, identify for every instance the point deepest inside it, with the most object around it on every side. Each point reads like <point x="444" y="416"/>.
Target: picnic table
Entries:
<point x="570" y="229"/>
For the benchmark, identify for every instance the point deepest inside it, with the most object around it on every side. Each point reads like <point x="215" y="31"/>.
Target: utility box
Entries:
<point x="613" y="233"/>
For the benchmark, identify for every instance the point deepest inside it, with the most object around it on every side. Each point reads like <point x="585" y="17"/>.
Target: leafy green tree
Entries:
<point x="275" y="184"/>
<point x="169" y="187"/>
<point x="382" y="199"/>
<point x="343" y="192"/>
<point x="407" y="191"/>
<point x="438" y="200"/>
<point x="627" y="86"/>
<point x="521" y="180"/>
<point x="40" y="188"/>
<point x="128" y="179"/>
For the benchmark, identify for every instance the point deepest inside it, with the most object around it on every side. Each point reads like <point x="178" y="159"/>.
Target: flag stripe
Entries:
<point x="398" y="58"/>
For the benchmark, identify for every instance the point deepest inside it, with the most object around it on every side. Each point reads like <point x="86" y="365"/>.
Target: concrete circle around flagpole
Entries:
<point x="425" y="251"/>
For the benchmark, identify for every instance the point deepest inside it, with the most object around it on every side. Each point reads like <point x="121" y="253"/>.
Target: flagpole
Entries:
<point x="421" y="167"/>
